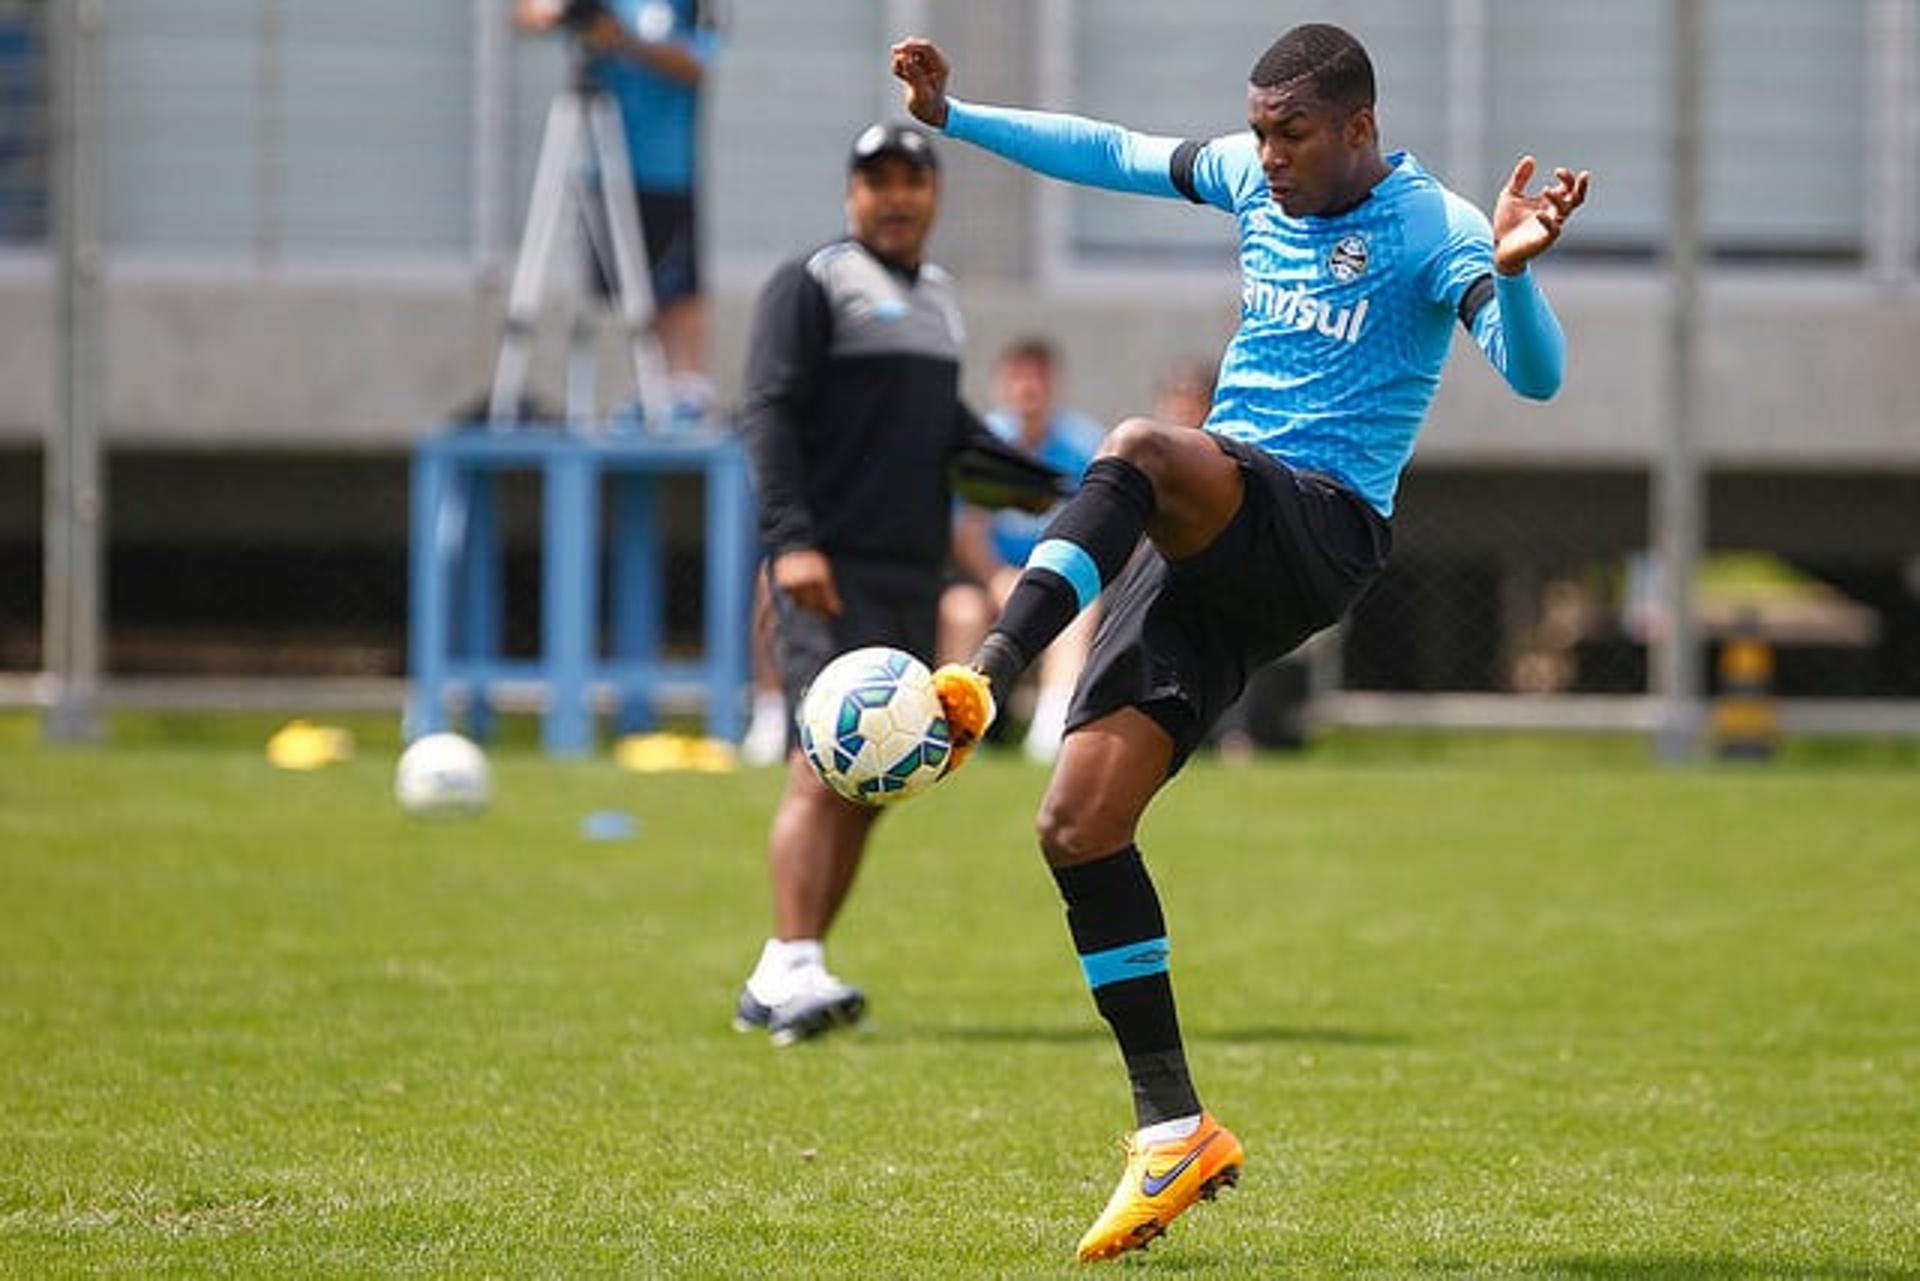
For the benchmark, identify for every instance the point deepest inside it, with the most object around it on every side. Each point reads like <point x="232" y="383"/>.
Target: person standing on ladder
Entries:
<point x="651" y="57"/>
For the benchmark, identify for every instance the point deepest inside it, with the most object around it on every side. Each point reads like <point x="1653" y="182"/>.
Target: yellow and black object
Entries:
<point x="1746" y="720"/>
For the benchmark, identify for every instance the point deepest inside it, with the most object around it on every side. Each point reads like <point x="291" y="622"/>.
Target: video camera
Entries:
<point x="578" y="15"/>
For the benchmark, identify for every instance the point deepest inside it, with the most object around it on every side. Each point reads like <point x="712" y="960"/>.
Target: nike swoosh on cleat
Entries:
<point x="1151" y="1186"/>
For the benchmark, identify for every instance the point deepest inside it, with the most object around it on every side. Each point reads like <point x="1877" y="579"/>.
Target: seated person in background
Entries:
<point x="990" y="548"/>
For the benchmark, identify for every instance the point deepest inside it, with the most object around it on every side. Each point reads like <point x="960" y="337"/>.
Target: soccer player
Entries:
<point x="1262" y="528"/>
<point x="852" y="412"/>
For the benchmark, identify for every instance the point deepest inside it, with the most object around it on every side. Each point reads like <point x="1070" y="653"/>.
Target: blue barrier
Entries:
<point x="455" y="609"/>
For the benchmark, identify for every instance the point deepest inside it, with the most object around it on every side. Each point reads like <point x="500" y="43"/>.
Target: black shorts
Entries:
<point x="669" y="227"/>
<point x="1177" y="639"/>
<point x="884" y="603"/>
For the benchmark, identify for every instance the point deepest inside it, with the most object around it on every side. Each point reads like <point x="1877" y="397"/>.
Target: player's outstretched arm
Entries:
<point x="1072" y="148"/>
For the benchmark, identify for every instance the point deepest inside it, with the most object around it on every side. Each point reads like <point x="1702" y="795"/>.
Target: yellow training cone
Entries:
<point x="673" y="753"/>
<point x="302" y="745"/>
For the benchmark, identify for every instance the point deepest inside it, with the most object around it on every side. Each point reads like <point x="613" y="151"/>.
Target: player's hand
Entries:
<point x="807" y="577"/>
<point x="536" y="15"/>
<point x="604" y="35"/>
<point x="923" y="69"/>
<point x="1523" y="225"/>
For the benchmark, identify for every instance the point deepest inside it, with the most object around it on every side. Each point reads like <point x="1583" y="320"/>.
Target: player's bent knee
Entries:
<point x="1070" y="834"/>
<point x="1140" y="441"/>
<point x="1178" y="460"/>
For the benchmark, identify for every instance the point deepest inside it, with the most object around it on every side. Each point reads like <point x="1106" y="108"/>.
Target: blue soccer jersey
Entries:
<point x="1345" y="321"/>
<point x="660" y="114"/>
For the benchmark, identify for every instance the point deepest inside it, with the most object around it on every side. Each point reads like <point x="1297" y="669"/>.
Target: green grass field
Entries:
<point x="1477" y="1007"/>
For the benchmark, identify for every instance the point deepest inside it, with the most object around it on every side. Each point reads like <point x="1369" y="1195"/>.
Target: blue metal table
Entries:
<point x="455" y="610"/>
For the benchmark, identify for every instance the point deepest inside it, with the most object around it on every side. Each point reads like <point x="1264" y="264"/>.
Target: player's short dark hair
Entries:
<point x="1323" y="56"/>
<point x="1033" y="347"/>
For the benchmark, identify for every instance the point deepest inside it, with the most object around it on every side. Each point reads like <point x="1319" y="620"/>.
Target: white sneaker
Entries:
<point x="1047" y="728"/>
<point x="765" y="742"/>
<point x="817" y="1003"/>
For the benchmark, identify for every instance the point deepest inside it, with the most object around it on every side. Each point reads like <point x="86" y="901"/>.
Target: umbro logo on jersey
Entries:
<point x="1348" y="259"/>
<point x="1303" y="311"/>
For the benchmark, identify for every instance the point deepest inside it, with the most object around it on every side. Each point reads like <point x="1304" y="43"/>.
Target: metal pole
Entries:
<point x="1056" y="87"/>
<point x="75" y="506"/>
<point x="1469" y="36"/>
<point x="488" y="192"/>
<point x="270" y="136"/>
<point x="1680" y="500"/>
<point x="1892" y="60"/>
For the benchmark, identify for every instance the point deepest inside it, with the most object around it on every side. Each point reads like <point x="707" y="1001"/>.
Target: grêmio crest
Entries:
<point x="1348" y="259"/>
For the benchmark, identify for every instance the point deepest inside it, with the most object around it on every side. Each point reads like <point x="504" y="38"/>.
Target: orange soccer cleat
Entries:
<point x="1161" y="1182"/>
<point x="966" y="697"/>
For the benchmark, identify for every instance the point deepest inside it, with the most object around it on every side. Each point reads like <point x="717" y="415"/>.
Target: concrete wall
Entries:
<point x="1800" y="374"/>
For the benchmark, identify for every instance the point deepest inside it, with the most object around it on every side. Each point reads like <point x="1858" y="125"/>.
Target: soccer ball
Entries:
<point x="872" y="727"/>
<point x="442" y="775"/>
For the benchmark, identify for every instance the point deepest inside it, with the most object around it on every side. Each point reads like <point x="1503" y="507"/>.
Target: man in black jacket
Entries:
<point x="852" y="411"/>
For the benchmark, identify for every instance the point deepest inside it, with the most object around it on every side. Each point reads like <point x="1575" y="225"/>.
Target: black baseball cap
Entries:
<point x="890" y="139"/>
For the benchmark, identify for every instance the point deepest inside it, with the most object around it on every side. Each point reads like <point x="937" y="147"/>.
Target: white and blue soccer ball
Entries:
<point x="872" y="727"/>
<point x="442" y="775"/>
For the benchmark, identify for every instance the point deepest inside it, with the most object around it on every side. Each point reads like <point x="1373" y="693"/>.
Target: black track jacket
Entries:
<point x="852" y="407"/>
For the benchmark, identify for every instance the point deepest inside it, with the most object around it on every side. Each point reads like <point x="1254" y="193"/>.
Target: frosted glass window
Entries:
<point x="1182" y="70"/>
<point x="378" y="124"/>
<point x="1584" y="86"/>
<point x="794" y="85"/>
<point x="183" y="116"/>
<point x="1785" y="103"/>
<point x="283" y="128"/>
<point x="1787" y="111"/>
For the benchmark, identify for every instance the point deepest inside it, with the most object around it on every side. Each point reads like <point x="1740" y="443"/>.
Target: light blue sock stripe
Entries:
<point x="1129" y="961"/>
<point x="1072" y="563"/>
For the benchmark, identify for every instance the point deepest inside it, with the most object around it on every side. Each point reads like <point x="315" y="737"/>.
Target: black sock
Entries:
<point x="1082" y="550"/>
<point x="1121" y="937"/>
